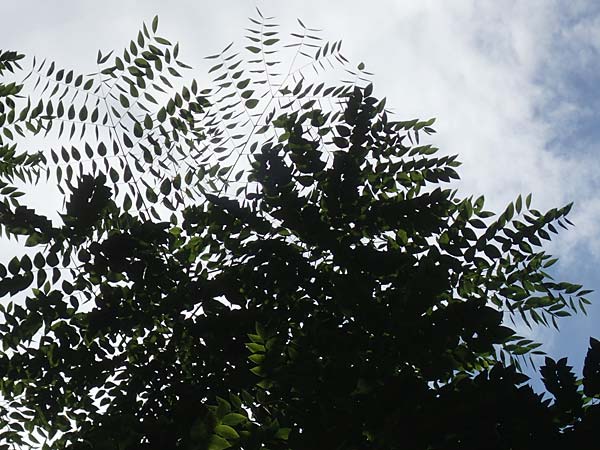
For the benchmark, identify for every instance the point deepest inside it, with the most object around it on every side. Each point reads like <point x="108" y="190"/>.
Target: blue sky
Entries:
<point x="514" y="86"/>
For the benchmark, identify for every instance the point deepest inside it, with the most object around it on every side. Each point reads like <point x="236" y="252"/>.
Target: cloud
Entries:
<point x="503" y="78"/>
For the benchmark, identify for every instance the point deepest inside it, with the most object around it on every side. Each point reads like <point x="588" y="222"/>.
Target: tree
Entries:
<point x="331" y="293"/>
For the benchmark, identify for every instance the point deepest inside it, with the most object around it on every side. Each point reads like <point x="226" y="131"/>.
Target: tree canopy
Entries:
<point x="271" y="262"/>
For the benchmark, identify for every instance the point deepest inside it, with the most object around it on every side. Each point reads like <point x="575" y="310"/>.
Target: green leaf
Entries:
<point x="283" y="434"/>
<point x="114" y="175"/>
<point x="148" y="122"/>
<point x="233" y="419"/>
<point x="162" y="41"/>
<point x="254" y="347"/>
<point x="33" y="240"/>
<point x="26" y="263"/>
<point x="127" y="203"/>
<point x="226" y="432"/>
<point x="340" y="142"/>
<point x="257" y="358"/>
<point x="138" y="132"/>
<point x="151" y="195"/>
<point x="218" y="443"/>
<point x="251" y="103"/>
<point x="258" y="371"/>
<point x="165" y="187"/>
<point x="242" y="84"/>
<point x="39" y="261"/>
<point x="492" y="252"/>
<point x="215" y="67"/>
<point x="14" y="265"/>
<point x="141" y="62"/>
<point x="67" y="287"/>
<point x="124" y="101"/>
<point x="127" y="141"/>
<point x="223" y="408"/>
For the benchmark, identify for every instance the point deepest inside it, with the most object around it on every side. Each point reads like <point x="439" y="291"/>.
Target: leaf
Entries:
<point x="148" y="122"/>
<point x="124" y="101"/>
<point x="283" y="434"/>
<point x="151" y="195"/>
<point x="14" y="265"/>
<point x="127" y="203"/>
<point x="233" y="419"/>
<point x="138" y="132"/>
<point x="258" y="371"/>
<point x="26" y="263"/>
<point x="257" y="358"/>
<point x="226" y="432"/>
<point x="340" y="142"/>
<point x="343" y="130"/>
<point x="251" y="103"/>
<point x="127" y="141"/>
<point x="492" y="252"/>
<point x="39" y="261"/>
<point x="218" y="443"/>
<point x="114" y="175"/>
<point x="165" y="187"/>
<point x="141" y="62"/>
<point x="33" y="240"/>
<point x="162" y="41"/>
<point x="155" y="24"/>
<point x="83" y="114"/>
<point x="242" y="84"/>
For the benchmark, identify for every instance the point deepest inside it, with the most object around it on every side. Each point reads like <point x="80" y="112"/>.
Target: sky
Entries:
<point x="514" y="86"/>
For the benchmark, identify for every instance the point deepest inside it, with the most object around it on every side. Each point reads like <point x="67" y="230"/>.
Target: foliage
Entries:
<point x="330" y="292"/>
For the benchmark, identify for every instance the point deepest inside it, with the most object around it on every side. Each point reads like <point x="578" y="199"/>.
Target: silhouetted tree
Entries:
<point x="330" y="292"/>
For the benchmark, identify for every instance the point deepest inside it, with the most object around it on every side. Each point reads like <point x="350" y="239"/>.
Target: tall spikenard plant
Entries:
<point x="268" y="263"/>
